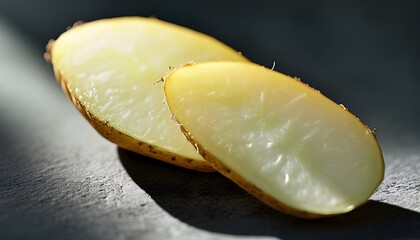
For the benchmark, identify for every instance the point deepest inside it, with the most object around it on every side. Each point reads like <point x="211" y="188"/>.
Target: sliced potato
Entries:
<point x="277" y="138"/>
<point x="108" y="69"/>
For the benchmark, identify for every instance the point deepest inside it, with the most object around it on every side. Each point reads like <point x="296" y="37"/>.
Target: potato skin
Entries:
<point x="121" y="139"/>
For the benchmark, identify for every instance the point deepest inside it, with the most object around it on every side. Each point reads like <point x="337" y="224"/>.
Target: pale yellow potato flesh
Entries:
<point x="109" y="69"/>
<point x="281" y="140"/>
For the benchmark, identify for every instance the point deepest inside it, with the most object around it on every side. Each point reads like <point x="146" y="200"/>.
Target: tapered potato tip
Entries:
<point x="108" y="69"/>
<point x="279" y="139"/>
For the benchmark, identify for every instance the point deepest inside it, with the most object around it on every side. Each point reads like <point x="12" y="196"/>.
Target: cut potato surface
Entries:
<point x="277" y="138"/>
<point x="109" y="67"/>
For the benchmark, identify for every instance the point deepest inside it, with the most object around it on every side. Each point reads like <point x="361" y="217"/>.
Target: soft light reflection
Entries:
<point x="268" y="144"/>
<point x="286" y="179"/>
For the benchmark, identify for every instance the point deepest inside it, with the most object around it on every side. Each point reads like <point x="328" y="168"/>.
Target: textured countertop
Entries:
<point x="60" y="180"/>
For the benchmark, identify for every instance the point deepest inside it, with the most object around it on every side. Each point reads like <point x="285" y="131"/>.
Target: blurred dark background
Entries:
<point x="364" y="54"/>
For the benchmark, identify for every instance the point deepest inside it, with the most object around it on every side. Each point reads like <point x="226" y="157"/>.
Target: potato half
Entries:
<point x="108" y="69"/>
<point x="277" y="138"/>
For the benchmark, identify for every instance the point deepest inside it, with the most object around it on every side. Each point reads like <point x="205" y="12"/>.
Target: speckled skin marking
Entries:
<point x="123" y="140"/>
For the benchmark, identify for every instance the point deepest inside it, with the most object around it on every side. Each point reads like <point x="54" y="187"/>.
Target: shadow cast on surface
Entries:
<point x="211" y="202"/>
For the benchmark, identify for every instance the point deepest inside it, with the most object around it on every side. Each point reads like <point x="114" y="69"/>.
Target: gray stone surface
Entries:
<point x="60" y="180"/>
